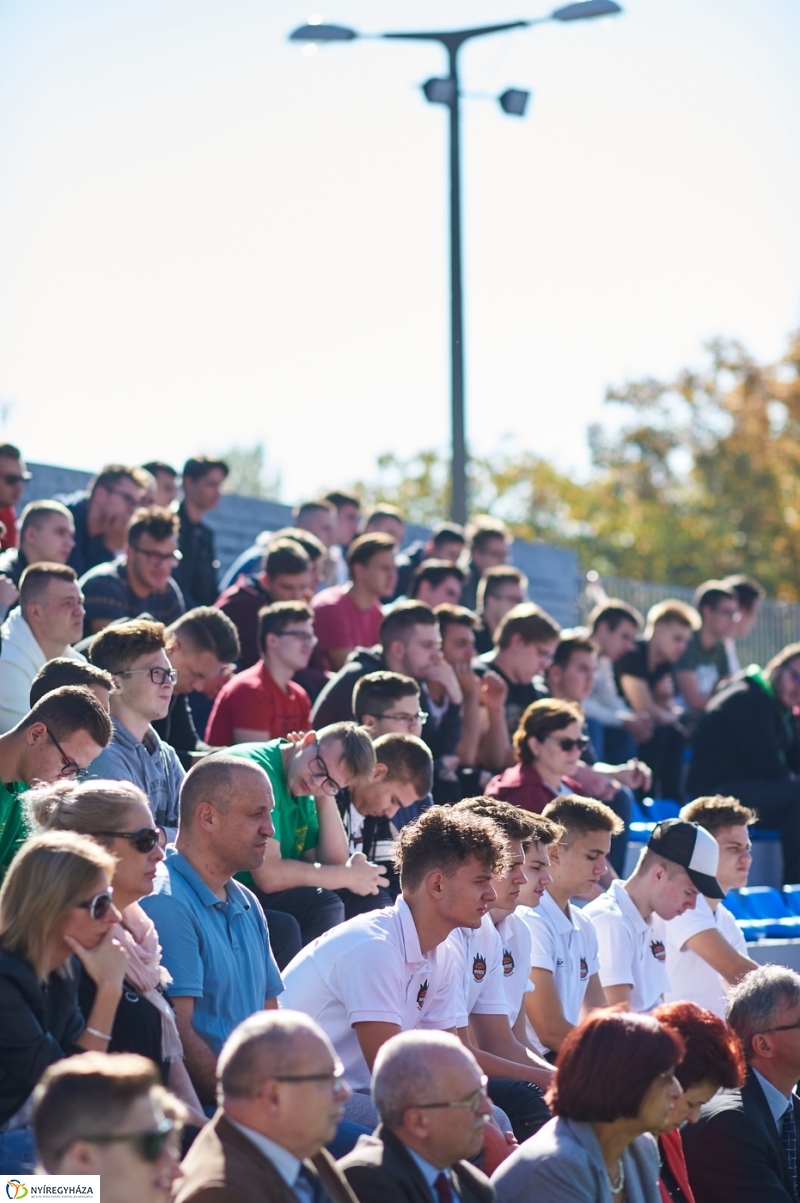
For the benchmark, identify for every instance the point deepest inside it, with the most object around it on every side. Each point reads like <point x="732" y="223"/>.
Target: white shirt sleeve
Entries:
<point x="543" y="945"/>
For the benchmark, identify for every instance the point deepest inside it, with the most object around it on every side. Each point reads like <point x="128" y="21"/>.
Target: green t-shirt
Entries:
<point x="707" y="664"/>
<point x="295" y="819"/>
<point x="13" y="824"/>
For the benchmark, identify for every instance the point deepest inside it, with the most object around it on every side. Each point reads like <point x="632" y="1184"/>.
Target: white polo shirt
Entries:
<point x="632" y="951"/>
<point x="371" y="969"/>
<point x="515" y="939"/>
<point x="478" y="955"/>
<point x="690" y="977"/>
<point x="567" y="946"/>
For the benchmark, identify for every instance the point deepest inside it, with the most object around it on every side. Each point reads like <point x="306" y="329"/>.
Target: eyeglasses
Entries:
<point x="158" y="557"/>
<point x="568" y="745"/>
<point x="472" y="1101"/>
<point x="72" y="771"/>
<point x="783" y="1027"/>
<point x="150" y="1143"/>
<point x="334" y="1079"/>
<point x="319" y="771"/>
<point x="131" y="502"/>
<point x="143" y="840"/>
<point x="159" y="676"/>
<point x="302" y="636"/>
<point x="420" y="716"/>
<point x="99" y="906"/>
<point x="16" y="478"/>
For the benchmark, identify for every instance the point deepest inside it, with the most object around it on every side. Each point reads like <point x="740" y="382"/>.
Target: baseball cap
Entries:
<point x="692" y="847"/>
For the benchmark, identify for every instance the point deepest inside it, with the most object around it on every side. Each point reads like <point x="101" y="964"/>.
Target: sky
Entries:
<point x="209" y="239"/>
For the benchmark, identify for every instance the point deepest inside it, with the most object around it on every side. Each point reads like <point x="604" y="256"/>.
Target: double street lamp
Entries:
<point x="446" y="91"/>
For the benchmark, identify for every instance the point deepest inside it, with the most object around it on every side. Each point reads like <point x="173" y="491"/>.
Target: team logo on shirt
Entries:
<point x="658" y="950"/>
<point x="421" y="993"/>
<point x="584" y="969"/>
<point x="479" y="968"/>
<point x="508" y="963"/>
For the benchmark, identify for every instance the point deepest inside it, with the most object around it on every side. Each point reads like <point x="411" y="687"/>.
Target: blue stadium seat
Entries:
<point x="791" y="895"/>
<point x="768" y="908"/>
<point x="662" y="808"/>
<point x="734" y="905"/>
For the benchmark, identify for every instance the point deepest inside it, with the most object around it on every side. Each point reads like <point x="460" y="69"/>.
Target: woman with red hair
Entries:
<point x="713" y="1061"/>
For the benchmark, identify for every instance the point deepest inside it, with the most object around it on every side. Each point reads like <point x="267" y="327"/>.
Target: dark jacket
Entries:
<point x="89" y="550"/>
<point x="39" y="1024"/>
<point x="744" y="734"/>
<point x="734" y="1152"/>
<point x="197" y="572"/>
<point x="381" y="1170"/>
<point x="406" y="563"/>
<point x="13" y="563"/>
<point x="224" y="1166"/>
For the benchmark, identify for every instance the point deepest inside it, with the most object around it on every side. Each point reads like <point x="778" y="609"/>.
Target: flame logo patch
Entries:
<point x="479" y="968"/>
<point x="658" y="950"/>
<point x="508" y="963"/>
<point x="421" y="994"/>
<point x="584" y="969"/>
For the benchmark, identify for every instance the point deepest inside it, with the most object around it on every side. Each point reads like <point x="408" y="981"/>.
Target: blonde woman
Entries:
<point x="117" y="816"/>
<point x="56" y="903"/>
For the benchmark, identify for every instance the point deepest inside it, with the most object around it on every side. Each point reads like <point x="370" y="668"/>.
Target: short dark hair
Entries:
<point x="198" y="466"/>
<point x="375" y="692"/>
<point x="408" y="760"/>
<point x="710" y="594"/>
<point x="541" y="719"/>
<point x="448" y="615"/>
<point x="36" y="578"/>
<point x="311" y="507"/>
<point x="672" y="609"/>
<point x="442" y="839"/>
<point x="514" y="822"/>
<point x="383" y="510"/>
<point x="399" y="623"/>
<point x="154" y="520"/>
<point x="483" y="529"/>
<point x="278" y="616"/>
<point x="435" y="572"/>
<point x="362" y="549"/>
<point x="713" y="1052"/>
<point x="715" y="812"/>
<point x="157" y="465"/>
<point x="342" y="499"/>
<point x="112" y="474"/>
<point x="358" y="753"/>
<point x="9" y="451"/>
<point x="568" y="645"/>
<point x="530" y="622"/>
<point x="36" y="514"/>
<point x="747" y="589"/>
<point x="61" y="671"/>
<point x="612" y="612"/>
<point x="447" y="532"/>
<point x="581" y="816"/>
<point x="607" y="1064"/>
<point x="493" y="579"/>
<point x="311" y="545"/>
<point x="284" y="557"/>
<point x="208" y="630"/>
<point x="119" y="646"/>
<point x="70" y="709"/>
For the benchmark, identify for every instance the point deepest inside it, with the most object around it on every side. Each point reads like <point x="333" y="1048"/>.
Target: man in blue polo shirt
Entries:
<point x="212" y="930"/>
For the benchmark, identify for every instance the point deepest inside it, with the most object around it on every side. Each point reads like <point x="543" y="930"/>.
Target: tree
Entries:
<point x="250" y="474"/>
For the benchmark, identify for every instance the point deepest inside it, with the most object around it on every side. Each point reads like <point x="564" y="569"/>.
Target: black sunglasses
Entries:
<point x="150" y="1143"/>
<point x="567" y="745"/>
<point x="99" y="906"/>
<point x="143" y="840"/>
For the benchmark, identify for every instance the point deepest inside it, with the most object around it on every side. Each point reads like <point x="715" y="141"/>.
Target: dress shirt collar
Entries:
<point x="287" y="1165"/>
<point x="776" y="1101"/>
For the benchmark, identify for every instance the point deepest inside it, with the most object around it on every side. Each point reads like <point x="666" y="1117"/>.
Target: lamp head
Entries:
<point x="586" y="9"/>
<point x="514" y="101"/>
<point x="323" y="33"/>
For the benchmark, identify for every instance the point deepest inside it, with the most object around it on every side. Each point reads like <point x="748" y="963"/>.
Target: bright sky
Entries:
<point x="208" y="239"/>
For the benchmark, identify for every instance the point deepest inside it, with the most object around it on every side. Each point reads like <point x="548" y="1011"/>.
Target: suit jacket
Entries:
<point x="734" y="1152"/>
<point x="381" y="1170"/>
<point x="224" y="1166"/>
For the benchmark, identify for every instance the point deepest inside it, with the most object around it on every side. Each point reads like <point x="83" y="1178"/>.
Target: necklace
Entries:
<point x="617" y="1184"/>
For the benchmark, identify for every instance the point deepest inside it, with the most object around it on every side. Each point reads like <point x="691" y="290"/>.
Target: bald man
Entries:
<point x="282" y="1095"/>
<point x="212" y="930"/>
<point x="432" y="1100"/>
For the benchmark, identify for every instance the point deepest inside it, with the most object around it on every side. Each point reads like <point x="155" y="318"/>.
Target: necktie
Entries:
<point x="308" y="1186"/>
<point x="789" y="1142"/>
<point x="444" y="1191"/>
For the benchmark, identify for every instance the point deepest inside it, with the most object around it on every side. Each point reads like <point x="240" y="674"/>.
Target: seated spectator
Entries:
<point x="46" y="533"/>
<point x="712" y="1061"/>
<point x="749" y="595"/>
<point x="250" y="562"/>
<point x="213" y="934"/>
<point x="102" y="513"/>
<point x="348" y="516"/>
<point x="166" y="479"/>
<point x="104" y="1115"/>
<point x="500" y="589"/>
<point x="565" y="958"/>
<point x="280" y="1096"/>
<point x="642" y="675"/>
<point x="706" y="951"/>
<point x="135" y="656"/>
<point x="63" y="670"/>
<point x="489" y="545"/>
<point x="704" y="665"/>
<point x="49" y="620"/>
<point x="318" y="517"/>
<point x="13" y="478"/>
<point x="446" y="542"/>
<point x="743" y="1145"/>
<point x="350" y="616"/>
<point x="746" y="746"/>
<point x="678" y="864"/>
<point x="615" y="1084"/>
<point x="613" y="727"/>
<point x="141" y="581"/>
<point x="389" y="971"/>
<point x="387" y="520"/>
<point x="431" y="1098"/>
<point x="196" y="574"/>
<point x="285" y="576"/>
<point x="483" y="742"/>
<point x="524" y="643"/>
<point x="56" y="903"/>
<point x="435" y="582"/>
<point x="309" y="857"/>
<point x="548" y="743"/>
<point x="57" y="740"/>
<point x="384" y="702"/>
<point x="202" y="646"/>
<point x="116" y="816"/>
<point x="263" y="702"/>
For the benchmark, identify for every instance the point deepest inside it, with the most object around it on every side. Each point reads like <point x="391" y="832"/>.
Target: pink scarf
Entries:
<point x="138" y="936"/>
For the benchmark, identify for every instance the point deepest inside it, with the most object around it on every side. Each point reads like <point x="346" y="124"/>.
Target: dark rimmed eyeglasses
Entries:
<point x="334" y="1079"/>
<point x="159" y="676"/>
<point x="150" y="1144"/>
<point x="99" y="906"/>
<point x="143" y="840"/>
<point x="157" y="557"/>
<point x="319" y="771"/>
<point x="420" y="716"/>
<point x="305" y="637"/>
<point x="569" y="745"/>
<point x="472" y="1101"/>
<point x="783" y="1027"/>
<point x="72" y="771"/>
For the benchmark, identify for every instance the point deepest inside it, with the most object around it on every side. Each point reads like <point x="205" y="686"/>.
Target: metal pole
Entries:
<point x="458" y="472"/>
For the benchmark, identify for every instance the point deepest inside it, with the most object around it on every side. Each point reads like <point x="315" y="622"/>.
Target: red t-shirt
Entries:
<point x="253" y="700"/>
<point x="338" y="622"/>
<point x="8" y="517"/>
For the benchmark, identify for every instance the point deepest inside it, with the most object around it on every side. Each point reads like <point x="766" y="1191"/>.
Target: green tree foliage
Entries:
<point x="250" y="474"/>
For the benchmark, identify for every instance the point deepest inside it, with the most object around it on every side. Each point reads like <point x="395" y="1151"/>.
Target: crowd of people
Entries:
<point x="315" y="878"/>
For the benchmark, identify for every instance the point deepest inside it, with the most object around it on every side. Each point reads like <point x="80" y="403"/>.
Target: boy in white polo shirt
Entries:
<point x="564" y="952"/>
<point x="678" y="864"/>
<point x="706" y="950"/>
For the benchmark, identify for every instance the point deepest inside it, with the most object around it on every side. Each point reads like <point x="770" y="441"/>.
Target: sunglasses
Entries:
<point x="16" y="478"/>
<point x="99" y="906"/>
<point x="143" y="840"/>
<point x="568" y="745"/>
<point x="150" y="1144"/>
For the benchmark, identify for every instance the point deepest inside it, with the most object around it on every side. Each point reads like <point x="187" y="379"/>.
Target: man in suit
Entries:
<point x="744" y="1146"/>
<point x="433" y="1105"/>
<point x="281" y="1097"/>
